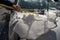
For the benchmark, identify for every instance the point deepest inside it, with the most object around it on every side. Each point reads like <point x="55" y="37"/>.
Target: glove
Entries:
<point x="16" y="7"/>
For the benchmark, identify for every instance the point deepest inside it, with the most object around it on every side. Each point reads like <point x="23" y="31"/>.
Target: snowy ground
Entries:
<point x="53" y="23"/>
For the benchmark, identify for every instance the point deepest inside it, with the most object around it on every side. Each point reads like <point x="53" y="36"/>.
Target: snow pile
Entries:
<point x="31" y="26"/>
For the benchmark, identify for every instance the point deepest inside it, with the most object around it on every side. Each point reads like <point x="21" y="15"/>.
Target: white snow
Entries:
<point x="34" y="25"/>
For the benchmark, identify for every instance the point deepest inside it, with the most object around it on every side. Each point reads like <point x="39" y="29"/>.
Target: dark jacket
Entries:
<point x="8" y="3"/>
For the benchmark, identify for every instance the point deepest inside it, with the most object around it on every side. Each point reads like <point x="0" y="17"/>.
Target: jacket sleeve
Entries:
<point x="15" y="2"/>
<point x="8" y="3"/>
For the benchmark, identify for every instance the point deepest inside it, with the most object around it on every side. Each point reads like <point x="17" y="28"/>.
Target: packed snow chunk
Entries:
<point x="37" y="29"/>
<point x="31" y="26"/>
<point x="58" y="21"/>
<point x="57" y="29"/>
<point x="51" y="16"/>
<point x="51" y="25"/>
<point x="21" y="29"/>
<point x="12" y="19"/>
<point x="58" y="13"/>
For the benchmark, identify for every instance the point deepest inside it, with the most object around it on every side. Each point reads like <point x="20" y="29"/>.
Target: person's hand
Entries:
<point x="16" y="7"/>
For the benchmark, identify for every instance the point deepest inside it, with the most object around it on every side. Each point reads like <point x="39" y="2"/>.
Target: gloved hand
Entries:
<point x="16" y="7"/>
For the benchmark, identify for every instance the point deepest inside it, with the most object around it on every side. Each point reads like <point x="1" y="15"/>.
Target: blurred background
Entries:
<point x="39" y="5"/>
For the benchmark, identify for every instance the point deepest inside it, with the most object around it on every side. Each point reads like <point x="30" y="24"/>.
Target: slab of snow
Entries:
<point x="31" y="26"/>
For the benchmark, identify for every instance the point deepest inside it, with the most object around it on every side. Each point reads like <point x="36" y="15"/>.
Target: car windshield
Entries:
<point x="39" y="4"/>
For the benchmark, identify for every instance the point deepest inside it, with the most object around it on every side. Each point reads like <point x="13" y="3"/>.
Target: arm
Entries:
<point x="16" y="6"/>
<point x="8" y="3"/>
<point x="15" y="2"/>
